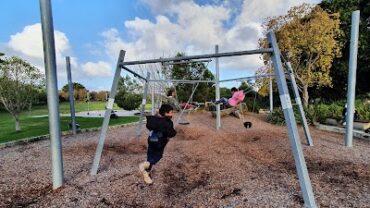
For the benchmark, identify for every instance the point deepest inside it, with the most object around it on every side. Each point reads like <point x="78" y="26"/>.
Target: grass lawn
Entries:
<point x="37" y="126"/>
<point x="32" y="127"/>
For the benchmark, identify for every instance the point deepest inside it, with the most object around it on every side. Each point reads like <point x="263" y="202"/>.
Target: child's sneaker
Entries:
<point x="143" y="166"/>
<point x="147" y="178"/>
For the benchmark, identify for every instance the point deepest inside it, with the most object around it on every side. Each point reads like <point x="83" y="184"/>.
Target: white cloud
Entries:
<point x="29" y="43"/>
<point x="99" y="69"/>
<point x="184" y="25"/>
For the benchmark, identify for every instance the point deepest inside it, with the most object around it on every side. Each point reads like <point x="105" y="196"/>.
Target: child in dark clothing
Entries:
<point x="161" y="129"/>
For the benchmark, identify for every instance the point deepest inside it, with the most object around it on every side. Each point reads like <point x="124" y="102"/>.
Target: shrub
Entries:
<point x="128" y="101"/>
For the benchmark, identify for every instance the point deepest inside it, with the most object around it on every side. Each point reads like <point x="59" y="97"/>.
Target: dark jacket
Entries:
<point x="161" y="124"/>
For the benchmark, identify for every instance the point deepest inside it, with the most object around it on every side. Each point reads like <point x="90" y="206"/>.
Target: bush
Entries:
<point x="128" y="101"/>
<point x="320" y="112"/>
<point x="250" y="103"/>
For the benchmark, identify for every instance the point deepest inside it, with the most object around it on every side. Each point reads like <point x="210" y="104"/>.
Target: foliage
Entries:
<point x="225" y="92"/>
<point x="102" y="96"/>
<point x="127" y="84"/>
<point x="79" y="92"/>
<point x="307" y="37"/>
<point x="18" y="80"/>
<point x="192" y="71"/>
<point x="339" y="70"/>
<point x="319" y="112"/>
<point x="128" y="101"/>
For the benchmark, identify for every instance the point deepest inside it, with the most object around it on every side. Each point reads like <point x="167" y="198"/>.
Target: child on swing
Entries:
<point x="161" y="129"/>
<point x="237" y="97"/>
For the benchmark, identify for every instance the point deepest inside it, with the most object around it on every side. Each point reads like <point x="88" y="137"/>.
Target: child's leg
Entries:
<point x="155" y="151"/>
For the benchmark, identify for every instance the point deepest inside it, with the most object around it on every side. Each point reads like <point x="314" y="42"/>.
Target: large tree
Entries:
<point x="79" y="91"/>
<point x="307" y="36"/>
<point x="192" y="71"/>
<point x="339" y="71"/>
<point x="18" y="81"/>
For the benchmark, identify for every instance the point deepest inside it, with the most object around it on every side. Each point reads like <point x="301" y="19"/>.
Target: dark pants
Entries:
<point x="224" y="101"/>
<point x="155" y="150"/>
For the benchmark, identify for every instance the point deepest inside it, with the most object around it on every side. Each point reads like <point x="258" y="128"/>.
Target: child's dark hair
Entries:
<point x="165" y="108"/>
<point x="234" y="89"/>
<point x="170" y="91"/>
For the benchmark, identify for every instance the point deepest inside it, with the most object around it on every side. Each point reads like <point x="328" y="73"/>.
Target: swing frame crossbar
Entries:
<point x="171" y="63"/>
<point x="285" y="100"/>
<point x="194" y="57"/>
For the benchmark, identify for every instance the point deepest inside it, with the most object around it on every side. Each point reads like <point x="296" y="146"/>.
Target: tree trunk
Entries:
<point x="17" y="124"/>
<point x="305" y="96"/>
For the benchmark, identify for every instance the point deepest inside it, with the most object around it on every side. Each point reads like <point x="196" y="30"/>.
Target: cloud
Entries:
<point x="186" y="26"/>
<point x="99" y="69"/>
<point x="29" y="43"/>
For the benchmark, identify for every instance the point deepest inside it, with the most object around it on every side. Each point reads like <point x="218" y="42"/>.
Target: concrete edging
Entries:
<point x="356" y="133"/>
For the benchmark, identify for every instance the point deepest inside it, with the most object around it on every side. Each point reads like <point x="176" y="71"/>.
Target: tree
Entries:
<point x="18" y="80"/>
<point x="339" y="70"/>
<point x="307" y="36"/>
<point x="102" y="96"/>
<point x="128" y="93"/>
<point x="1" y="60"/>
<point x="79" y="91"/>
<point x="193" y="71"/>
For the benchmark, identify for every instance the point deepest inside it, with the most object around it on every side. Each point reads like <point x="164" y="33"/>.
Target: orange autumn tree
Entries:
<point x="307" y="36"/>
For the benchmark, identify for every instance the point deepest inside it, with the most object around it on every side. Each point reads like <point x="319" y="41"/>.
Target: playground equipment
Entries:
<point x="53" y="105"/>
<point x="284" y="98"/>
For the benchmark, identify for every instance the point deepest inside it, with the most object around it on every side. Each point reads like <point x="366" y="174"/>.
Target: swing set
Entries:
<point x="280" y="77"/>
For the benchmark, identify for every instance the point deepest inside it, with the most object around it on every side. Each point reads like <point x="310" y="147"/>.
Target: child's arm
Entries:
<point x="170" y="131"/>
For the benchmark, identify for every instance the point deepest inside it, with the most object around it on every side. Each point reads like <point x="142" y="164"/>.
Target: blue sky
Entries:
<point x="92" y="32"/>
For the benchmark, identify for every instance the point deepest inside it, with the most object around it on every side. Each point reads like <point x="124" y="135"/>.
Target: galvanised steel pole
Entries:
<point x="71" y="95"/>
<point x="145" y="95"/>
<point x="104" y="128"/>
<point x="352" y="78"/>
<point x="153" y="99"/>
<point x="299" y="103"/>
<point x="218" y="111"/>
<point x="270" y="90"/>
<point x="52" y="92"/>
<point x="300" y="163"/>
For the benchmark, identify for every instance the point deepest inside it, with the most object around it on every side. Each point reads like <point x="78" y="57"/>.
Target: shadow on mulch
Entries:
<point x="334" y="172"/>
<point x="25" y="198"/>
<point x="182" y="178"/>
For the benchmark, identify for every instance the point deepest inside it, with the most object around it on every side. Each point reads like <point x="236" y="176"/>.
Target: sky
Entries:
<point x="92" y="32"/>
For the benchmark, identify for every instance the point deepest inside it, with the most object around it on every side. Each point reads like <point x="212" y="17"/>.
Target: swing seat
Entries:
<point x="233" y="111"/>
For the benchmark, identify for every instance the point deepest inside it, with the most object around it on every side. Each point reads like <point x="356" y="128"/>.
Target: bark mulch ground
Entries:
<point x="202" y="167"/>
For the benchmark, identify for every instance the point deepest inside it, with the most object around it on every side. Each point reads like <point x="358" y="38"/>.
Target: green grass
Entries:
<point x="32" y="127"/>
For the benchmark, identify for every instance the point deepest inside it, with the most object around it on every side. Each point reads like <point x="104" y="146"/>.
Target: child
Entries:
<point x="171" y="99"/>
<point x="237" y="97"/>
<point x="161" y="129"/>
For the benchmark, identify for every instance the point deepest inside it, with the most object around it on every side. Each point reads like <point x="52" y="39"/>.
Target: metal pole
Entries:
<point x="104" y="128"/>
<point x="153" y="100"/>
<point x="204" y="56"/>
<point x="134" y="73"/>
<point x="295" y="142"/>
<point x="246" y="78"/>
<point x="270" y="90"/>
<point x="52" y="92"/>
<point x="185" y="62"/>
<point x="71" y="95"/>
<point x="138" y="130"/>
<point x="299" y="103"/>
<point x="352" y="78"/>
<point x="218" y="112"/>
<point x="182" y="81"/>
